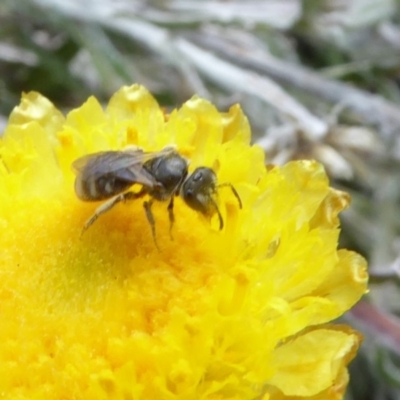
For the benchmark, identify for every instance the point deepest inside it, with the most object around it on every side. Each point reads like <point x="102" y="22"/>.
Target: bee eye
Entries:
<point x="198" y="176"/>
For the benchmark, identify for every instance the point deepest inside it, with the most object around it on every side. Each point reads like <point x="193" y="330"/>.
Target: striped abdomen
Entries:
<point x="99" y="188"/>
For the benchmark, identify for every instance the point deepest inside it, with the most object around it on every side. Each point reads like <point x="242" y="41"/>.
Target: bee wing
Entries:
<point x="126" y="165"/>
<point x="88" y="161"/>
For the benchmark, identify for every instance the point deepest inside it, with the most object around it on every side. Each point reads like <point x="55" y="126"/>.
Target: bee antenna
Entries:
<point x="221" y="221"/>
<point x="235" y="193"/>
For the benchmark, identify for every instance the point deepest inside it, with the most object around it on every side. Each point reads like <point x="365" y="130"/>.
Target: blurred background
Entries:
<point x="317" y="78"/>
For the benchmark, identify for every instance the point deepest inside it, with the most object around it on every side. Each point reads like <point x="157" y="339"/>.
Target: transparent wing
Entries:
<point x="126" y="165"/>
<point x="111" y="161"/>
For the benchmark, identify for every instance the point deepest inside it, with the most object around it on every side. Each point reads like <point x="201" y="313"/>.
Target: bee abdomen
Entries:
<point x="104" y="187"/>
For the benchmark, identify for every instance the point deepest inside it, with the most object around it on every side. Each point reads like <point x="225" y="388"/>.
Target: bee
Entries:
<point x="163" y="175"/>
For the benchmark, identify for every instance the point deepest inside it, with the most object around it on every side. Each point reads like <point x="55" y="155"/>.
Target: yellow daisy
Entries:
<point x="237" y="313"/>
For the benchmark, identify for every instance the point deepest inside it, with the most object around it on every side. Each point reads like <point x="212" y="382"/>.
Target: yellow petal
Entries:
<point x="35" y="107"/>
<point x="327" y="214"/>
<point x="347" y="282"/>
<point x="236" y="125"/>
<point x="311" y="362"/>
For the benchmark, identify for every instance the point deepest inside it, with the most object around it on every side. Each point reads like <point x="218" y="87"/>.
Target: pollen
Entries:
<point x="131" y="135"/>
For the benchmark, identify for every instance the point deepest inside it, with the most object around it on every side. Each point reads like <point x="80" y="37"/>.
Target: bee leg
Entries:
<point x="171" y="216"/>
<point x="150" y="217"/>
<point x="235" y="193"/>
<point x="133" y="195"/>
<point x="108" y="205"/>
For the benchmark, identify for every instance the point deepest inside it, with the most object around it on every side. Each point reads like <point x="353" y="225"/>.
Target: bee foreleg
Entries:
<point x="150" y="217"/>
<point x="235" y="193"/>
<point x="171" y="216"/>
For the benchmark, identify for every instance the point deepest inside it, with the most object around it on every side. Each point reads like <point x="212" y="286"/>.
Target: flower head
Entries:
<point x="237" y="313"/>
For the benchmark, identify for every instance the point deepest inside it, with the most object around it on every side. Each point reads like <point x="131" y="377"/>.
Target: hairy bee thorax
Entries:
<point x="170" y="171"/>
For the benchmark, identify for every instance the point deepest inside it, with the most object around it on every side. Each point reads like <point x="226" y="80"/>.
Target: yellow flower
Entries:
<point x="234" y="314"/>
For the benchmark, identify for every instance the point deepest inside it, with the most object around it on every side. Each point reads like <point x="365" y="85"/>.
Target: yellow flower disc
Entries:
<point x="239" y="313"/>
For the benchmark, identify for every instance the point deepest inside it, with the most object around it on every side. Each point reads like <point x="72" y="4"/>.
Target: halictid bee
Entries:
<point x="108" y="175"/>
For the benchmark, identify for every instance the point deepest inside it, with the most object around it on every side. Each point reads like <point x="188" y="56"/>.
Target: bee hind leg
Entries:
<point x="150" y="218"/>
<point x="108" y="205"/>
<point x="171" y="216"/>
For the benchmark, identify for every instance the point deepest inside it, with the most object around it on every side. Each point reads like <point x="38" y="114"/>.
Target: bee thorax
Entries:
<point x="169" y="172"/>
